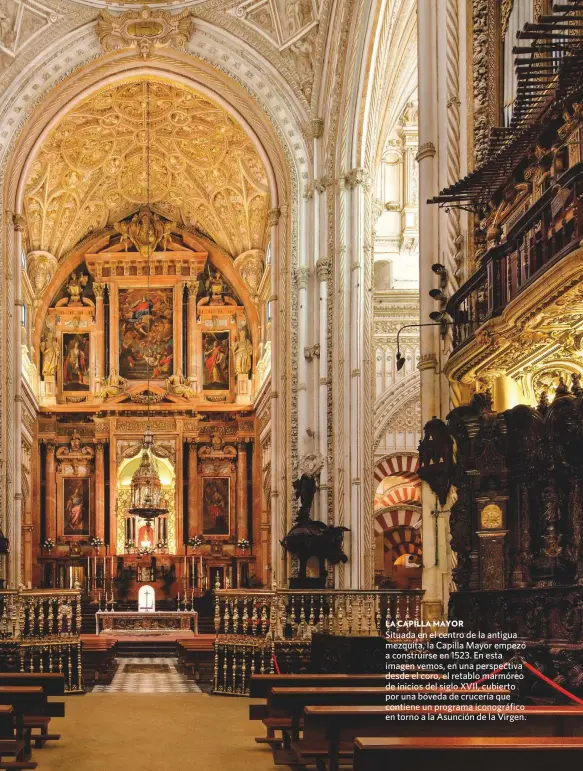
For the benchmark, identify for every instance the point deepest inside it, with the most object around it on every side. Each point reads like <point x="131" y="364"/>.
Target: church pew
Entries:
<point x="52" y="683"/>
<point x="14" y="740"/>
<point x="97" y="659"/>
<point x="33" y="711"/>
<point x="505" y="753"/>
<point x="261" y="685"/>
<point x="196" y="654"/>
<point x="286" y="705"/>
<point x="329" y="732"/>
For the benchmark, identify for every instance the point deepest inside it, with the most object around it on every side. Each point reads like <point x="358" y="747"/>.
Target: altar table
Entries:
<point x="132" y="622"/>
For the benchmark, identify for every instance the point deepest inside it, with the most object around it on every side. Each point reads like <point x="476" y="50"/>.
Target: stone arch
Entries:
<point x="396" y="516"/>
<point x="405" y="464"/>
<point x="404" y="540"/>
<point x="399" y="495"/>
<point x="51" y="84"/>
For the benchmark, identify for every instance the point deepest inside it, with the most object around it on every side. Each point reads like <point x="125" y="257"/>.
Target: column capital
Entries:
<point x="273" y="216"/>
<point x="323" y="269"/>
<point x="241" y="445"/>
<point x="426" y="150"/>
<point x="302" y="275"/>
<point x="191" y="288"/>
<point x="316" y="128"/>
<point x="356" y="178"/>
<point x="427" y="361"/>
<point x="19" y="222"/>
<point x="99" y="288"/>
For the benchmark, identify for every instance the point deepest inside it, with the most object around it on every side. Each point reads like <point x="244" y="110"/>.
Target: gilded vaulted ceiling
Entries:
<point x="92" y="169"/>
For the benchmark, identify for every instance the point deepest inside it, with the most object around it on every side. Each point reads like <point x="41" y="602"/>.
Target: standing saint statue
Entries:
<point x="242" y="353"/>
<point x="51" y="353"/>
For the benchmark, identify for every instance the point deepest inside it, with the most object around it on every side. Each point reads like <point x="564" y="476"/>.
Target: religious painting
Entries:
<point x="75" y="362"/>
<point x="76" y="506"/>
<point x="145" y="334"/>
<point x="215" y="505"/>
<point x="216" y="355"/>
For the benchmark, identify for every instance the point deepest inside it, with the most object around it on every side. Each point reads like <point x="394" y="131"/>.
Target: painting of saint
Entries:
<point x="216" y="361"/>
<point x="76" y="362"/>
<point x="145" y="334"/>
<point x="215" y="505"/>
<point x="76" y="506"/>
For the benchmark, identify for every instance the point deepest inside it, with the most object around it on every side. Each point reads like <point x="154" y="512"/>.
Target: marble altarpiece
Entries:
<point x="157" y="333"/>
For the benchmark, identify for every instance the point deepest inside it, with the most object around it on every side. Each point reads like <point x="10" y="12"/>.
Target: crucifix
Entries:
<point x="147" y="595"/>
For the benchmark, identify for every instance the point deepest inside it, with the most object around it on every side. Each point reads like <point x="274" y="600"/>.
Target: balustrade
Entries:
<point x="39" y="632"/>
<point x="549" y="230"/>
<point x="251" y="625"/>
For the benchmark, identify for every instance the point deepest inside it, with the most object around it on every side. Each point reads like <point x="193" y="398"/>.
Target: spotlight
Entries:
<point x="437" y="294"/>
<point x="400" y="361"/>
<point x="438" y="268"/>
<point x="437" y="316"/>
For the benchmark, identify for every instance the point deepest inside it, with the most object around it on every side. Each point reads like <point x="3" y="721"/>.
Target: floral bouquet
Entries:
<point x="96" y="542"/>
<point x="243" y="543"/>
<point x="130" y="545"/>
<point x="161" y="545"/>
<point x="195" y="542"/>
<point x="49" y="544"/>
<point x="145" y="550"/>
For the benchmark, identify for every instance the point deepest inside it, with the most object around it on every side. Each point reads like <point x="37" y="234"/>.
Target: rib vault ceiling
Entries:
<point x="91" y="169"/>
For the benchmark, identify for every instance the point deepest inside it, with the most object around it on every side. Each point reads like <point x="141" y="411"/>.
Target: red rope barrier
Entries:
<point x="551" y="682"/>
<point x="276" y="665"/>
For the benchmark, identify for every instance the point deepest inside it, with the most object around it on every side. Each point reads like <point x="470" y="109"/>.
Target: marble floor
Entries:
<point x="143" y="675"/>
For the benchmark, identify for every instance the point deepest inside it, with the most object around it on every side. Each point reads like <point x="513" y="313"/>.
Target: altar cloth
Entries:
<point x="136" y="623"/>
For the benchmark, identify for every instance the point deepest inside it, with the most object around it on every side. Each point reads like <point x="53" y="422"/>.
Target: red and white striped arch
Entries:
<point x="404" y="540"/>
<point x="401" y="465"/>
<point x="396" y="517"/>
<point x="398" y="495"/>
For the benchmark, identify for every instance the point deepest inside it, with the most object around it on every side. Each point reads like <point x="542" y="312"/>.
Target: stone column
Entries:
<point x="51" y="493"/>
<point x="99" y="290"/>
<point x="428" y="249"/>
<point x="278" y="562"/>
<point x="192" y="353"/>
<point x="194" y="518"/>
<point x="14" y="558"/>
<point x="242" y="498"/>
<point x="323" y="274"/>
<point x="99" y="491"/>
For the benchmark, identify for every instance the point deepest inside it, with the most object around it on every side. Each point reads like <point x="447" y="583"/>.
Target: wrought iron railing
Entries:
<point x="39" y="632"/>
<point x="252" y="626"/>
<point x="550" y="229"/>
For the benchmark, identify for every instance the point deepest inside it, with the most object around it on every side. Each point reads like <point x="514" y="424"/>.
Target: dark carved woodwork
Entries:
<point x="527" y="464"/>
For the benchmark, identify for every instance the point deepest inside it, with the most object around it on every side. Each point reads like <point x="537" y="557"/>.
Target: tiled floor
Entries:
<point x="141" y="675"/>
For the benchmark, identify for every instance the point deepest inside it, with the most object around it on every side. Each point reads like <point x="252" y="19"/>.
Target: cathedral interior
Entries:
<point x="291" y="348"/>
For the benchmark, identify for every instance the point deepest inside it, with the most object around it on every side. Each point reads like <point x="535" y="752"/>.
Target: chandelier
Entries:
<point x="146" y="488"/>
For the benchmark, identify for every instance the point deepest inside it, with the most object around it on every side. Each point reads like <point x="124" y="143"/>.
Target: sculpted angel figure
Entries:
<point x="75" y="288"/>
<point x="242" y="353"/>
<point x="51" y="353"/>
<point x="112" y="386"/>
<point x="178" y="385"/>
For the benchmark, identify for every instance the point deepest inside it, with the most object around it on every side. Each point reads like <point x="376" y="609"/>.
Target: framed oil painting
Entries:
<point x="216" y="354"/>
<point x="75" y="360"/>
<point x="146" y="337"/>
<point x="76" y="506"/>
<point x="216" y="506"/>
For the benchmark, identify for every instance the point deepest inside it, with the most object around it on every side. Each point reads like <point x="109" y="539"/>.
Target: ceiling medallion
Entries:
<point x="145" y="30"/>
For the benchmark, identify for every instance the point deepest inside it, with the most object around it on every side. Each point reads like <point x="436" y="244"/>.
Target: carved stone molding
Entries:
<point x="273" y="216"/>
<point x="356" y="178"/>
<point x="311" y="464"/>
<point x="426" y="150"/>
<point x="302" y="274"/>
<point x="144" y="29"/>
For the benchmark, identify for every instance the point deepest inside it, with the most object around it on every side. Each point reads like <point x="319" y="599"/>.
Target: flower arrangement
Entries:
<point x="49" y="544"/>
<point x="130" y="545"/>
<point x="243" y="543"/>
<point x="96" y="542"/>
<point x="145" y="550"/>
<point x="195" y="541"/>
<point x="161" y="545"/>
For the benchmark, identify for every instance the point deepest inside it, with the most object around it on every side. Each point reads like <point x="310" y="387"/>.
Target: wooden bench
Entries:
<point x="329" y="732"/>
<point x="286" y="705"/>
<point x="33" y="710"/>
<point x="97" y="659"/>
<point x="12" y="745"/>
<point x="505" y="753"/>
<point x="196" y="654"/>
<point x="53" y="683"/>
